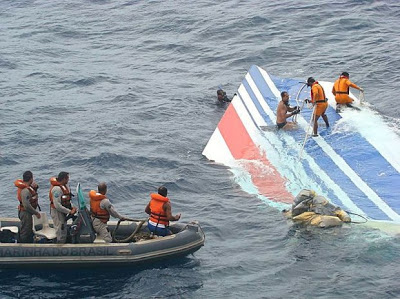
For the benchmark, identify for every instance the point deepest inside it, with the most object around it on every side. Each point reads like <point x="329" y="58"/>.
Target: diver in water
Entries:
<point x="222" y="97"/>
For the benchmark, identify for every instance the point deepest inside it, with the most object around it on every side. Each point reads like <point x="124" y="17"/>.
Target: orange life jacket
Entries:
<point x="317" y="93"/>
<point x="21" y="185"/>
<point x="157" y="213"/>
<point x="65" y="198"/>
<point x="341" y="90"/>
<point x="341" y="86"/>
<point x="95" y="209"/>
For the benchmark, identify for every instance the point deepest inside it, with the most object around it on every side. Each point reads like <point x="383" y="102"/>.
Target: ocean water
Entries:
<point x="125" y="92"/>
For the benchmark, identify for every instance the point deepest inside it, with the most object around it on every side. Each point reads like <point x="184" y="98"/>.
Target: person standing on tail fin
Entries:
<point x="282" y="113"/>
<point x="28" y="203"/>
<point x="100" y="210"/>
<point x="159" y="209"/>
<point x="341" y="90"/>
<point x="320" y="103"/>
<point x="60" y="205"/>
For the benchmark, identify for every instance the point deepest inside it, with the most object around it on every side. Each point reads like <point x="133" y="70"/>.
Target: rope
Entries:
<point x="131" y="236"/>
<point x="297" y="101"/>
<point x="357" y="222"/>
<point x="308" y="129"/>
<point x="361" y="97"/>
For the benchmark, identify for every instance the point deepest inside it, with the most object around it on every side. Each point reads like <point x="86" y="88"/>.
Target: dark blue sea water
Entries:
<point x="125" y="91"/>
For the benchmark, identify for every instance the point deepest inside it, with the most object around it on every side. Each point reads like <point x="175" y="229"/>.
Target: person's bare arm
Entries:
<point x="168" y="212"/>
<point x="147" y="209"/>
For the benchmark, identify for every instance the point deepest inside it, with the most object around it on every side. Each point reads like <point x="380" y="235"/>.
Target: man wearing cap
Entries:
<point x="341" y="89"/>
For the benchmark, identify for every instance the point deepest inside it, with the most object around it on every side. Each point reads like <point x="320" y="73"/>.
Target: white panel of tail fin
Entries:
<point x="216" y="150"/>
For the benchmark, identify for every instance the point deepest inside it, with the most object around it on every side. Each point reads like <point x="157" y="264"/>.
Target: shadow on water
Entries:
<point x="174" y="277"/>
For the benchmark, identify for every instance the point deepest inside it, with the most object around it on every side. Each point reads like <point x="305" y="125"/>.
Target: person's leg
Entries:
<point x="315" y="128"/>
<point x="290" y="126"/>
<point x="25" y="231"/>
<point x="159" y="231"/>
<point x="348" y="99"/>
<point x="325" y="118"/>
<point x="101" y="230"/>
<point x="60" y="225"/>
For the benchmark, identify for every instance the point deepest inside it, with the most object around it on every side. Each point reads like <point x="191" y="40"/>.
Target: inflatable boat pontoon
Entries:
<point x="133" y="243"/>
<point x="186" y="239"/>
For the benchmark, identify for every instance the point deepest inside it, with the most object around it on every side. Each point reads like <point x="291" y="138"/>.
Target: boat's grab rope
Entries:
<point x="131" y="236"/>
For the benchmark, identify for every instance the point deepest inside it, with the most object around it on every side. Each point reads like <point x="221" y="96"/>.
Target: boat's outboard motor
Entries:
<point x="81" y="229"/>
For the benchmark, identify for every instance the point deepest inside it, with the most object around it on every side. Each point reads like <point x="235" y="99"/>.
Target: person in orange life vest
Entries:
<point x="159" y="209"/>
<point x="60" y="205"/>
<point x="320" y="103"/>
<point x="101" y="209"/>
<point x="28" y="203"/>
<point x="282" y="113"/>
<point x="341" y="89"/>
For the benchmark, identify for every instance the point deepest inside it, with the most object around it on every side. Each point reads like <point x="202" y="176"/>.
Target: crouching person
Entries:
<point x="100" y="210"/>
<point x="159" y="209"/>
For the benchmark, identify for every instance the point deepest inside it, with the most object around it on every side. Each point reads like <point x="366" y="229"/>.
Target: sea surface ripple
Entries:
<point x="124" y="92"/>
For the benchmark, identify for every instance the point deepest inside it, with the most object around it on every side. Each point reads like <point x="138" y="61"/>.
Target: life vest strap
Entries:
<point x="95" y="215"/>
<point x="159" y="216"/>
<point x="322" y="101"/>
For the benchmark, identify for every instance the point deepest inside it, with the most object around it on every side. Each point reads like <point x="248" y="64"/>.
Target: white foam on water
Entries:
<point x="371" y="126"/>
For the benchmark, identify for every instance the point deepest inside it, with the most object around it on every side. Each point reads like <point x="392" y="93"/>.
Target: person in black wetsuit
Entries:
<point x="222" y="97"/>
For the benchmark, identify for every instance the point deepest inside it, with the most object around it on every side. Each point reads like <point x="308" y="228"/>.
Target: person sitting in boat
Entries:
<point x="100" y="210"/>
<point x="310" y="208"/>
<point x="320" y="103"/>
<point x="284" y="111"/>
<point x="28" y="203"/>
<point x="159" y="209"/>
<point x="222" y="97"/>
<point x="60" y="205"/>
<point x="341" y="90"/>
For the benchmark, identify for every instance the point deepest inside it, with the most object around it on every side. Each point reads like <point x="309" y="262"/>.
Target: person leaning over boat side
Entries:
<point x="282" y="113"/>
<point x="320" y="103"/>
<point x="341" y="90"/>
<point x="159" y="209"/>
<point x="28" y="203"/>
<point x="100" y="210"/>
<point x="60" y="205"/>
